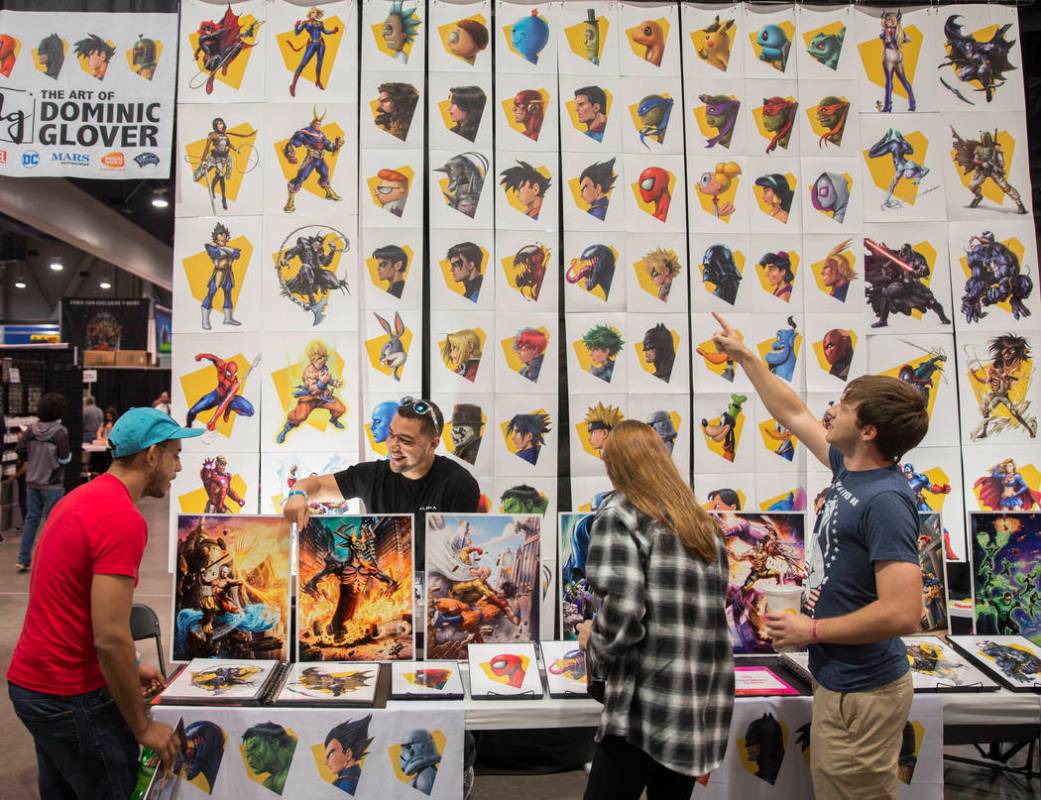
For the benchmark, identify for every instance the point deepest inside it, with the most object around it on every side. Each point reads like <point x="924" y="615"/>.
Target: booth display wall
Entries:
<point x="806" y="171"/>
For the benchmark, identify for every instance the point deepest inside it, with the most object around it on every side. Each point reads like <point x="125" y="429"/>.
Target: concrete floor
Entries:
<point x="18" y="762"/>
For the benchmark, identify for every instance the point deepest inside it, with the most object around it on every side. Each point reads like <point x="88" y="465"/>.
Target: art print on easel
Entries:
<point x="355" y="598"/>
<point x="1006" y="550"/>
<point x="220" y="163"/>
<point x="934" y="579"/>
<point x="339" y="684"/>
<point x="218" y="388"/>
<point x="578" y="602"/>
<point x="217" y="270"/>
<point x="1015" y="660"/>
<point x="565" y="669"/>
<point x="311" y="57"/>
<point x="223" y="52"/>
<point x="482" y="581"/>
<point x="231" y="588"/>
<point x="308" y="401"/>
<point x="425" y="680"/>
<point x="764" y="551"/>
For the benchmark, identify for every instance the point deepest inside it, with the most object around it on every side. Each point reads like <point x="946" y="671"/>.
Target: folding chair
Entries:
<point x="144" y="624"/>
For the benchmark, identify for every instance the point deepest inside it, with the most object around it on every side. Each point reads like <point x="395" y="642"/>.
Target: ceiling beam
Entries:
<point x="64" y="211"/>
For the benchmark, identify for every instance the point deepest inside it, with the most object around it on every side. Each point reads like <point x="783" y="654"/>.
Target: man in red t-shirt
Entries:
<point x="73" y="679"/>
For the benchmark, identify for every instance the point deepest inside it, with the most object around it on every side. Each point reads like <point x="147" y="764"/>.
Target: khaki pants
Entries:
<point x="855" y="741"/>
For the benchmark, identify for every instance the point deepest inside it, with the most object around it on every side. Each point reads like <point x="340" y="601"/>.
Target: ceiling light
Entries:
<point x="19" y="284"/>
<point x="160" y="202"/>
<point x="57" y="266"/>
<point x="105" y="285"/>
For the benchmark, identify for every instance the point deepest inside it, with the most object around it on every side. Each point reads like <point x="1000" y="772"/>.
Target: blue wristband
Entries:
<point x="296" y="492"/>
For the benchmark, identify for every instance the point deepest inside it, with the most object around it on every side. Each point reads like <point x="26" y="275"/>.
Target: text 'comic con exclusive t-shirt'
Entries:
<point x="868" y="516"/>
<point x="447" y="488"/>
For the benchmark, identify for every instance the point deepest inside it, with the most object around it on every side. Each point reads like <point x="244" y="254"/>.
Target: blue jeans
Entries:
<point x="40" y="502"/>
<point x="84" y="749"/>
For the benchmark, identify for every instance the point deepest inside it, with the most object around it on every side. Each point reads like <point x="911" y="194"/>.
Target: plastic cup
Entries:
<point x="784" y="599"/>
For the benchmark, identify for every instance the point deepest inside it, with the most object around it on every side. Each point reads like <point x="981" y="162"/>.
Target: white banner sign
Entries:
<point x="87" y="95"/>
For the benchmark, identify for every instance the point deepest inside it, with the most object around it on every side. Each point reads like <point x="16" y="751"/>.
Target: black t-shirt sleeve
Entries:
<point x="356" y="480"/>
<point x="462" y="494"/>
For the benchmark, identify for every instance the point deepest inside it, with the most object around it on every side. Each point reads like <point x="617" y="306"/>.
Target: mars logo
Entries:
<point x="30" y="159"/>
<point x="71" y="159"/>
<point x="146" y="160"/>
<point x="113" y="160"/>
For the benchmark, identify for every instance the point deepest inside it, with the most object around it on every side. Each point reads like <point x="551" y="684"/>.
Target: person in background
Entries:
<point x="73" y="678"/>
<point x="660" y="640"/>
<point x="93" y="418"/>
<point x="44" y="447"/>
<point x="865" y="581"/>
<point x="163" y="403"/>
<point x="111" y="415"/>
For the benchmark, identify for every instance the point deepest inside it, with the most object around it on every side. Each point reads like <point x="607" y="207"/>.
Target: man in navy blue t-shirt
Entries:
<point x="864" y="585"/>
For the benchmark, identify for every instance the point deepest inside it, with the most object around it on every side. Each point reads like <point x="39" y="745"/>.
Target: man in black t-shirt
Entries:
<point x="412" y="480"/>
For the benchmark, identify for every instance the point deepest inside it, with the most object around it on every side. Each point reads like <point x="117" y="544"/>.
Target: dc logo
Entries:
<point x="30" y="159"/>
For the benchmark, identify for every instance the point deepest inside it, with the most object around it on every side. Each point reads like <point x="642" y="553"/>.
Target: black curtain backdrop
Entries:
<point x="127" y="388"/>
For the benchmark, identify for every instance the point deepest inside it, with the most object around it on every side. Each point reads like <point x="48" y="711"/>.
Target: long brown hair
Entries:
<point x="640" y="467"/>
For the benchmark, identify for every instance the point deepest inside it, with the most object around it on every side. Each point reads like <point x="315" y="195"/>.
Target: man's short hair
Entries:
<point x="595" y="95"/>
<point x="50" y="407"/>
<point x="469" y="251"/>
<point x="896" y="409"/>
<point x="431" y="423"/>
<point x="392" y="254"/>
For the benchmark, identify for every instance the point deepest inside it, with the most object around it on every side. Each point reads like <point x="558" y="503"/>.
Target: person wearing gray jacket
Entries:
<point x="44" y="447"/>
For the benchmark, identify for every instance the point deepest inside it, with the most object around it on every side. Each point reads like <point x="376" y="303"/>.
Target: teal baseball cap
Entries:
<point x="140" y="428"/>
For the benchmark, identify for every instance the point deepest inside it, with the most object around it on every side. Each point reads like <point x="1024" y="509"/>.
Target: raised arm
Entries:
<point x="784" y="405"/>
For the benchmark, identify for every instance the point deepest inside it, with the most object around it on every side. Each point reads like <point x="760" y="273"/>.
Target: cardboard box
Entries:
<point x="99" y="358"/>
<point x="132" y="358"/>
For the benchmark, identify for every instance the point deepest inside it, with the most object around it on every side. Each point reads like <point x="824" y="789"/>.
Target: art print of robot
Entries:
<point x="996" y="276"/>
<point x="307" y="265"/>
<point x="578" y="602"/>
<point x="355" y="599"/>
<point x="763" y="550"/>
<point x="231" y="588"/>
<point x="482" y="575"/>
<point x="978" y="65"/>
<point x="1006" y="564"/>
<point x="930" y="557"/>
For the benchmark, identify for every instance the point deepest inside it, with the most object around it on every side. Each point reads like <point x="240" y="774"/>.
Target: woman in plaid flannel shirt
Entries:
<point x="660" y="640"/>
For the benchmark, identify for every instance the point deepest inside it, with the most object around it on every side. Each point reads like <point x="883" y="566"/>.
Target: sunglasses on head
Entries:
<point x="422" y="407"/>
